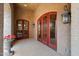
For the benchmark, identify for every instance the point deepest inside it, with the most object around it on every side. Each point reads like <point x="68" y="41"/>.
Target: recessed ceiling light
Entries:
<point x="25" y="5"/>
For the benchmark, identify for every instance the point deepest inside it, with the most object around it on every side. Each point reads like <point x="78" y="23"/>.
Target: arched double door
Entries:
<point x="22" y="29"/>
<point x="46" y="29"/>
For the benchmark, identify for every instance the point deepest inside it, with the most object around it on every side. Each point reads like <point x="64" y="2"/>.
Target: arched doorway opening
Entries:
<point x="46" y="29"/>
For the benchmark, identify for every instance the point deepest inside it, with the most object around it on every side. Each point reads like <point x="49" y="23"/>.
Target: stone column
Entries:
<point x="7" y="28"/>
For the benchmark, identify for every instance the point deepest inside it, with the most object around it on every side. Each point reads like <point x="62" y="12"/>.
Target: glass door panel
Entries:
<point x="45" y="29"/>
<point x="52" y="30"/>
<point x="19" y="25"/>
<point x="19" y="29"/>
<point x="39" y="29"/>
<point x="25" y="25"/>
<point x="25" y="29"/>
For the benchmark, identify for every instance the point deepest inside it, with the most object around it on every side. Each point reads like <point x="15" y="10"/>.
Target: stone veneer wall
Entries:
<point x="75" y="29"/>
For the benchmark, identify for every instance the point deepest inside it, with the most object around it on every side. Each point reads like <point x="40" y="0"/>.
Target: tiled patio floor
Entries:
<point x="31" y="47"/>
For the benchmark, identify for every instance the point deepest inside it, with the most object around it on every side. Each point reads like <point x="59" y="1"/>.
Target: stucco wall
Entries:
<point x="75" y="29"/>
<point x="1" y="29"/>
<point x="63" y="30"/>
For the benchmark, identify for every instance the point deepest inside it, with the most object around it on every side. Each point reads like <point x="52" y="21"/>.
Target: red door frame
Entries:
<point x="40" y="30"/>
<point x="48" y="29"/>
<point x="44" y="40"/>
<point x="54" y="45"/>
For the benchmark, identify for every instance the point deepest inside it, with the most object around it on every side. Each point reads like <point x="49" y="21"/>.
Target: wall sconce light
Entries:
<point x="66" y="15"/>
<point x="33" y="25"/>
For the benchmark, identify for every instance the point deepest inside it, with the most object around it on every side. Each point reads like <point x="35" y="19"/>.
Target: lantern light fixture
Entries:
<point x="66" y="16"/>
